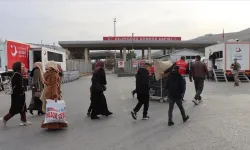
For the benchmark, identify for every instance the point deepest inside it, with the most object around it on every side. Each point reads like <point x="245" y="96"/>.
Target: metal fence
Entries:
<point x="67" y="76"/>
<point x="128" y="67"/>
<point x="70" y="76"/>
<point x="78" y="65"/>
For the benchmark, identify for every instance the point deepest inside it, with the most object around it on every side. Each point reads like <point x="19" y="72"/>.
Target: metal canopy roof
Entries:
<point x="103" y="45"/>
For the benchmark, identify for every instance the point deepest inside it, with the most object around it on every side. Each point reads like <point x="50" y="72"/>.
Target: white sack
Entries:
<point x="55" y="112"/>
<point x="160" y="67"/>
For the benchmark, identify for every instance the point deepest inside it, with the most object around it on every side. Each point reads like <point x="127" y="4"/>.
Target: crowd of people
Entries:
<point x="175" y="85"/>
<point x="44" y="86"/>
<point x="47" y="85"/>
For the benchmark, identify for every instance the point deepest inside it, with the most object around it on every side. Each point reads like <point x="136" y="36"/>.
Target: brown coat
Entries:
<point x="198" y="70"/>
<point x="52" y="91"/>
<point x="52" y="81"/>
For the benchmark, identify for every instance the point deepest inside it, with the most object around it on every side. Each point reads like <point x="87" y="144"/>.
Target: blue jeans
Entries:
<point x="184" y="87"/>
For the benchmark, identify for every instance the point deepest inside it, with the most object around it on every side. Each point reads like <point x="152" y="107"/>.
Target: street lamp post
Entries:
<point x="133" y="41"/>
<point x="132" y="47"/>
<point x="115" y="35"/>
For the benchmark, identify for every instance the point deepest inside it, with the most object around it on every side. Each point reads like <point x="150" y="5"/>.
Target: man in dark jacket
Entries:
<point x="175" y="86"/>
<point x="183" y="70"/>
<point x="198" y="71"/>
<point x="142" y="90"/>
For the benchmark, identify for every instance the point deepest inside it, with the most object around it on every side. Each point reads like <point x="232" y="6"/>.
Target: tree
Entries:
<point x="109" y="63"/>
<point x="131" y="55"/>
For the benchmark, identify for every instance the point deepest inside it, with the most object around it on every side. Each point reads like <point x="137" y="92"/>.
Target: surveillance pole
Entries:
<point x="115" y="35"/>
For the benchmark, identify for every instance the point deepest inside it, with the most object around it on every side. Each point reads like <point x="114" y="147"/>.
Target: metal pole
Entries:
<point x="114" y="26"/>
<point x="115" y="34"/>
<point x="132" y="48"/>
<point x="133" y="41"/>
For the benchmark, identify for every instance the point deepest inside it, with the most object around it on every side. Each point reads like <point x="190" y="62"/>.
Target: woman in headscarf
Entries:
<point x="18" y="105"/>
<point x="60" y="73"/>
<point x="37" y="87"/>
<point x="25" y="74"/>
<point x="52" y="90"/>
<point x="98" y="99"/>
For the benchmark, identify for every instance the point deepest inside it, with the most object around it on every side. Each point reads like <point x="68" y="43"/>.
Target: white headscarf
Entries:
<point x="40" y="67"/>
<point x="51" y="65"/>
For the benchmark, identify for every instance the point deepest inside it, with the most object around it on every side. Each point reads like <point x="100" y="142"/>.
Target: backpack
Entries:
<point x="8" y="86"/>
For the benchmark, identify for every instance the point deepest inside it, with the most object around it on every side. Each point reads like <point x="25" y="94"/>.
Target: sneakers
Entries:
<point x="195" y="101"/>
<point x="94" y="118"/>
<point x="145" y="117"/>
<point x="25" y="123"/>
<point x="4" y="121"/>
<point x="170" y="123"/>
<point x="186" y="118"/>
<point x="134" y="116"/>
<point x="236" y="84"/>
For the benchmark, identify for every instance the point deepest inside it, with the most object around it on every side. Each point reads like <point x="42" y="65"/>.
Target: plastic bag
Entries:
<point x="160" y="67"/>
<point x="55" y="112"/>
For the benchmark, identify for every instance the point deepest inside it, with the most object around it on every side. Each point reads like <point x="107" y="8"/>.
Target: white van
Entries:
<point x="43" y="54"/>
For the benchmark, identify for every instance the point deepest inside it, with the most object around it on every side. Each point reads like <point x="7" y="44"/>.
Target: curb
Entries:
<point x="85" y="74"/>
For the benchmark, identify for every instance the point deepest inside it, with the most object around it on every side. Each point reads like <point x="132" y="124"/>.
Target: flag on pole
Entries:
<point x="223" y="35"/>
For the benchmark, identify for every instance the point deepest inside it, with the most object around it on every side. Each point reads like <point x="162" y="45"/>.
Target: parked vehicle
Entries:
<point x="12" y="51"/>
<point x="224" y="55"/>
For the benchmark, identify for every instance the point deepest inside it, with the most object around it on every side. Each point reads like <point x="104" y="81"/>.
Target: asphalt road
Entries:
<point x="221" y="122"/>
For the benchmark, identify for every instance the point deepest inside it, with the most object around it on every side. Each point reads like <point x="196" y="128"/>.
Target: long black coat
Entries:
<point x="18" y="104"/>
<point x="175" y="85"/>
<point x="99" y="81"/>
<point x="98" y="99"/>
<point x="142" y="82"/>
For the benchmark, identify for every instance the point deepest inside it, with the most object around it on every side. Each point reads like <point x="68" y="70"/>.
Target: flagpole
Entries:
<point x="223" y="35"/>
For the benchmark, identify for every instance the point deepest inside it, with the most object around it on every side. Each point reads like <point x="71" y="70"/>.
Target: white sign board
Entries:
<point x="120" y="64"/>
<point x="240" y="52"/>
<point x="135" y="63"/>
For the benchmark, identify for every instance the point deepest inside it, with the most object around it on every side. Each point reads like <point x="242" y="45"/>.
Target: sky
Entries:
<point x="58" y="20"/>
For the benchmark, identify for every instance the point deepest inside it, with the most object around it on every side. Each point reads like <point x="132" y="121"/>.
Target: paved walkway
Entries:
<point x="220" y="122"/>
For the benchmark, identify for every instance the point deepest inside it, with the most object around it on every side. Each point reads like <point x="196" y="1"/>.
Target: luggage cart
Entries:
<point x="157" y="90"/>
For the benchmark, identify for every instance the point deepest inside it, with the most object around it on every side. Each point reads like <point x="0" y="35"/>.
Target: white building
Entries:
<point x="188" y="53"/>
<point x="176" y="55"/>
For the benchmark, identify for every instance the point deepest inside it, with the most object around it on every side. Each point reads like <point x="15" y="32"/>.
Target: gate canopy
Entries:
<point x="130" y="44"/>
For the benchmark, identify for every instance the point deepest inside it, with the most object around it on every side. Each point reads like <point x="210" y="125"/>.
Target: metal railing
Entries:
<point x="79" y="65"/>
<point x="70" y="76"/>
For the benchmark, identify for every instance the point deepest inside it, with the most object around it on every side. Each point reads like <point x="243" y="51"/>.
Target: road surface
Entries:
<point x="220" y="122"/>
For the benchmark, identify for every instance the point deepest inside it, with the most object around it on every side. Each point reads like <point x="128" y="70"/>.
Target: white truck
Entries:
<point x="225" y="53"/>
<point x="11" y="51"/>
<point x="43" y="54"/>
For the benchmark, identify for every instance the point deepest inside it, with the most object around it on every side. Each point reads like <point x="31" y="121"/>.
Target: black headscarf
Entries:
<point x="17" y="67"/>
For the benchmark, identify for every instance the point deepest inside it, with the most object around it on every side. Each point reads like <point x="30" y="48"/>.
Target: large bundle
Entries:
<point x="160" y="67"/>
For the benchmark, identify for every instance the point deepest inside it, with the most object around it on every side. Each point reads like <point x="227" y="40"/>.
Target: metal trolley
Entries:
<point x="157" y="90"/>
